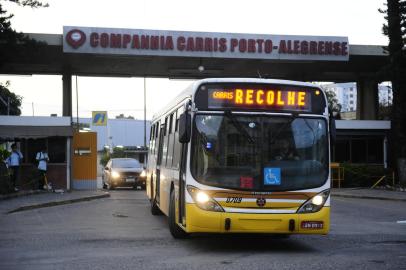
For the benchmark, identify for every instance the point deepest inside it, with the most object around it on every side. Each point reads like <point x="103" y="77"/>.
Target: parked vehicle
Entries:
<point x="123" y="172"/>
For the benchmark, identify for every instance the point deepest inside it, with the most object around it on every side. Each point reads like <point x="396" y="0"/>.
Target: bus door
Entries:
<point x="184" y="124"/>
<point x="158" y="162"/>
<point x="182" y="184"/>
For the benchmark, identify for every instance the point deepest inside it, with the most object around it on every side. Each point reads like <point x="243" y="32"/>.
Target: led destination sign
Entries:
<point x="270" y="99"/>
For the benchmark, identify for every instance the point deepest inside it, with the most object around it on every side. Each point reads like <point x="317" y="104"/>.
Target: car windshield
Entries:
<point x="126" y="163"/>
<point x="267" y="153"/>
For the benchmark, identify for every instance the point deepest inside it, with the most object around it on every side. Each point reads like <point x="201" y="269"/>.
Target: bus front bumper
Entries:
<point x="201" y="221"/>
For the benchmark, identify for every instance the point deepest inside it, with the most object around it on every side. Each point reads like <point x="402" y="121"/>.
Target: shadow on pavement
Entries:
<point x="246" y="242"/>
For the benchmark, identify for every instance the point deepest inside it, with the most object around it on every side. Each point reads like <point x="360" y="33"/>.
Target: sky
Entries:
<point x="42" y="95"/>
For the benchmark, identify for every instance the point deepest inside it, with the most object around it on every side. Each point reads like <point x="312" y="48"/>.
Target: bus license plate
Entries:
<point x="130" y="180"/>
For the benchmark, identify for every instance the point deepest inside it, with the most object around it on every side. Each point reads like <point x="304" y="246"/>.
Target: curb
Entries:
<point x="368" y="197"/>
<point x="56" y="203"/>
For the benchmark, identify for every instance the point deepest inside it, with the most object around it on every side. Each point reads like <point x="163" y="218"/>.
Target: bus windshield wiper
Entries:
<point x="238" y="126"/>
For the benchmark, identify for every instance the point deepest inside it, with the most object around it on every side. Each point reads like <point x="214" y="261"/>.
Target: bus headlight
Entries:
<point x="315" y="204"/>
<point x="115" y="174"/>
<point x="204" y="201"/>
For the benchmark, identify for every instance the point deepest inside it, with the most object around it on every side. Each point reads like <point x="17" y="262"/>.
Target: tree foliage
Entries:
<point x="395" y="29"/>
<point x="15" y="100"/>
<point x="118" y="152"/>
<point x="13" y="43"/>
<point x="122" y="116"/>
<point x="333" y="104"/>
<point x="30" y="3"/>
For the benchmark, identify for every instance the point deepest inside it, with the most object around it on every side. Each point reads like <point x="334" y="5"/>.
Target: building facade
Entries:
<point x="118" y="132"/>
<point x="346" y="94"/>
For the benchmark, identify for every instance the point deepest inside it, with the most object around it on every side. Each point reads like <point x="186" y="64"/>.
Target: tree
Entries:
<point x="118" y="152"/>
<point x="8" y="97"/>
<point x="395" y="29"/>
<point x="13" y="43"/>
<point x="333" y="104"/>
<point x="122" y="116"/>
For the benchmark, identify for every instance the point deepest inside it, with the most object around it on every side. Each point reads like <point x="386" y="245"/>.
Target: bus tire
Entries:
<point x="155" y="211"/>
<point x="175" y="230"/>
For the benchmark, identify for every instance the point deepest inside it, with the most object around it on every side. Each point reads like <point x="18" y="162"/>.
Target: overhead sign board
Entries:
<point x="203" y="44"/>
<point x="99" y="118"/>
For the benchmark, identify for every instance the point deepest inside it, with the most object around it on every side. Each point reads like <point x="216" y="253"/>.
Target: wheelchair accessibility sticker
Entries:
<point x="272" y="176"/>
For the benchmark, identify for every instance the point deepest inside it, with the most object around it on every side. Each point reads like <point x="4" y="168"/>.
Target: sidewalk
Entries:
<point x="47" y="199"/>
<point x="367" y="193"/>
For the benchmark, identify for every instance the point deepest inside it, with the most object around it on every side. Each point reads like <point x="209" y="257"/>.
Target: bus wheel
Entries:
<point x="154" y="208"/>
<point x="175" y="230"/>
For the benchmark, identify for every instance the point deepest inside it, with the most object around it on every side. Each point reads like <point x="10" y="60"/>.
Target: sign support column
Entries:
<point x="145" y="113"/>
<point x="67" y="94"/>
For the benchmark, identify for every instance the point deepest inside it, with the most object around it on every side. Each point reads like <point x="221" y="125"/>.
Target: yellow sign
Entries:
<point x="99" y="118"/>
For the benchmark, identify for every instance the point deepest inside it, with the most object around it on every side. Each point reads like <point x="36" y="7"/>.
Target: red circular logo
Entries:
<point x="75" y="38"/>
<point x="261" y="202"/>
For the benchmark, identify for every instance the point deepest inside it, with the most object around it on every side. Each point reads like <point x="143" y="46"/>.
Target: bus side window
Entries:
<point x="165" y="142"/>
<point x="174" y="137"/>
<point x="151" y="137"/>
<point x="157" y="125"/>
<point x="177" y="148"/>
<point x="170" y="142"/>
<point x="151" y="133"/>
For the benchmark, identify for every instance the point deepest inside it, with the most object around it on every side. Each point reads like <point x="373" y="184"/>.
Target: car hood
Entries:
<point x="137" y="170"/>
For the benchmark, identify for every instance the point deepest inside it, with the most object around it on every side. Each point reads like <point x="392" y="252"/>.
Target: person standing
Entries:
<point x="13" y="162"/>
<point x="43" y="159"/>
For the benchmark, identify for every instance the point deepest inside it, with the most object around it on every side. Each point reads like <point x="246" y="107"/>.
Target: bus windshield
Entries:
<point x="259" y="153"/>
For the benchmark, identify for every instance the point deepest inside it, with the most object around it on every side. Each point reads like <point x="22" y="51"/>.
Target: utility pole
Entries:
<point x="77" y="104"/>
<point x="145" y="113"/>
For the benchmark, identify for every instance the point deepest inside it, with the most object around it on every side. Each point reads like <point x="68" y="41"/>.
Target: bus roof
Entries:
<point x="190" y="90"/>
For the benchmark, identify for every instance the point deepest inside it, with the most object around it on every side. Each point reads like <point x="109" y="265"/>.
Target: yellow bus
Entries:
<point x="233" y="155"/>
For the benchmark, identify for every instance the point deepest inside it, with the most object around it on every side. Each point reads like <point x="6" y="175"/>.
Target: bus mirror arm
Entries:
<point x="333" y="131"/>
<point x="185" y="126"/>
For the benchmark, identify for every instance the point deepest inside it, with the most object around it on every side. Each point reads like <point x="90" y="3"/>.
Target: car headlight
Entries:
<point x="315" y="204"/>
<point x="204" y="201"/>
<point x="143" y="173"/>
<point x="115" y="174"/>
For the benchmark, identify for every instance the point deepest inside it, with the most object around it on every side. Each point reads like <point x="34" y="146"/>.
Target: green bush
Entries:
<point x="4" y="154"/>
<point x="364" y="175"/>
<point x="118" y="152"/>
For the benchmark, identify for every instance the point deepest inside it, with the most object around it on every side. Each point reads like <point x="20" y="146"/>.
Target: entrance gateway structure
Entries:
<point x="92" y="51"/>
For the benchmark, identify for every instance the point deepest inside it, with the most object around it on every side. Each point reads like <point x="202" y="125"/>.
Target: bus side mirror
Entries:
<point x="185" y="126"/>
<point x="333" y="131"/>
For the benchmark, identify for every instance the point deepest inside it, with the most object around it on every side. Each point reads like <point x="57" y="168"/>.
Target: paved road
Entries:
<point x="119" y="233"/>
